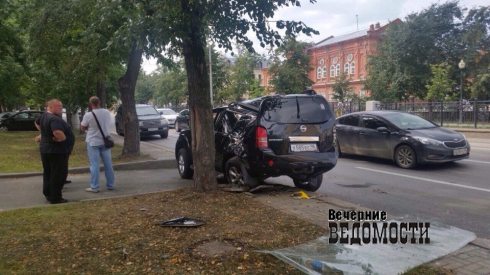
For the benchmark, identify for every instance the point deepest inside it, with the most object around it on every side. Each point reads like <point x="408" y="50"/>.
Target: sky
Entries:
<point x="333" y="17"/>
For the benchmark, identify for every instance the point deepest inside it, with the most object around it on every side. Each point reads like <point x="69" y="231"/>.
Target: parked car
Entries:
<point x="407" y="139"/>
<point x="170" y="115"/>
<point x="20" y="121"/>
<point x="270" y="136"/>
<point x="5" y="115"/>
<point x="150" y="121"/>
<point x="182" y="121"/>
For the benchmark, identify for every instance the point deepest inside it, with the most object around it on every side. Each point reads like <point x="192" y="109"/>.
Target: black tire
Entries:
<point x="311" y="184"/>
<point x="405" y="157"/>
<point x="118" y="130"/>
<point x="233" y="172"/>
<point x="177" y="128"/>
<point x="164" y="135"/>
<point x="184" y="161"/>
<point x="4" y="129"/>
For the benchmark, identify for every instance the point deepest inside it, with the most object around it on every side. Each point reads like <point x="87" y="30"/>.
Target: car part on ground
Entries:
<point x="271" y="136"/>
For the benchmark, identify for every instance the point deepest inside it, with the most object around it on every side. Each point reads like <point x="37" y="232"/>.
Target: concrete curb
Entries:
<point x="141" y="165"/>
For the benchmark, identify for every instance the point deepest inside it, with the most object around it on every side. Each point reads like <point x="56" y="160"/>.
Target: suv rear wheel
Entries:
<point x="233" y="172"/>
<point x="312" y="184"/>
<point x="184" y="165"/>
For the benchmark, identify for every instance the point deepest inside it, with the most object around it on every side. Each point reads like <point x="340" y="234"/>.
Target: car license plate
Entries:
<point x="305" y="147"/>
<point x="152" y="129"/>
<point x="459" y="152"/>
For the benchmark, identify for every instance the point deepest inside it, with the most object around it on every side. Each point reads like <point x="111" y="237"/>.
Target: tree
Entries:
<point x="440" y="84"/>
<point x="145" y="88"/>
<point x="341" y="88"/>
<point x="242" y="74"/>
<point x="477" y="55"/>
<point x="290" y="67"/>
<point x="171" y="86"/>
<point x="402" y="65"/>
<point x="12" y="65"/>
<point x="192" y="20"/>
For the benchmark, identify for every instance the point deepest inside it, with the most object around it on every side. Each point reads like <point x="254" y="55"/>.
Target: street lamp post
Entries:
<point x="461" y="66"/>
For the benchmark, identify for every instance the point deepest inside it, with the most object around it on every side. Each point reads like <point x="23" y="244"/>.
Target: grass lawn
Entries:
<point x="20" y="153"/>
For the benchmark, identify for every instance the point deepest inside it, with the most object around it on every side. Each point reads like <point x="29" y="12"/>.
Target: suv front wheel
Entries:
<point x="312" y="184"/>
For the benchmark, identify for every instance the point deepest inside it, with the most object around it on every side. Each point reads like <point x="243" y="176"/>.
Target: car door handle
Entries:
<point x="361" y="133"/>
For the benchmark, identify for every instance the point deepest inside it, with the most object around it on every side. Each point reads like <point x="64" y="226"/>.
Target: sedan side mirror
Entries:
<point x="383" y="130"/>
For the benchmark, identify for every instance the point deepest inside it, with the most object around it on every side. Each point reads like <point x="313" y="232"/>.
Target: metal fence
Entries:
<point x="473" y="114"/>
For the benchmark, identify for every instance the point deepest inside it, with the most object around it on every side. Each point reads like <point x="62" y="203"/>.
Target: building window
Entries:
<point x="259" y="77"/>
<point x="346" y="68"/>
<point x="319" y="73"/>
<point x="321" y="62"/>
<point x="332" y="71"/>
<point x="349" y="57"/>
<point x="352" y="67"/>
<point x="362" y="93"/>
<point x="324" y="72"/>
<point x="337" y="70"/>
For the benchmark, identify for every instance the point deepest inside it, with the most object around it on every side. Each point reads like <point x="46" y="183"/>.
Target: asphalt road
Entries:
<point x="456" y="194"/>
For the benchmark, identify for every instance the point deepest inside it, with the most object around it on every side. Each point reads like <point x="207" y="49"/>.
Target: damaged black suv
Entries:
<point x="270" y="136"/>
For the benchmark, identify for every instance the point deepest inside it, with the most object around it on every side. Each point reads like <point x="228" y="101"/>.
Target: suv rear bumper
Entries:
<point x="296" y="165"/>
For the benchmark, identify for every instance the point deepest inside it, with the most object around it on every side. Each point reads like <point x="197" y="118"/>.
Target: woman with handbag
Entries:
<point x="99" y="144"/>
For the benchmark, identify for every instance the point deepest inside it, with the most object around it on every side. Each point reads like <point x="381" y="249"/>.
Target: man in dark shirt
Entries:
<point x="56" y="143"/>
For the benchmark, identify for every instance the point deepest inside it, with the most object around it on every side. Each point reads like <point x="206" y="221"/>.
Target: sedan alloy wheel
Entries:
<point x="405" y="157"/>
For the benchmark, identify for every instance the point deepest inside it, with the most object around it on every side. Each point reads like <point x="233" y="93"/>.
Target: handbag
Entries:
<point x="108" y="141"/>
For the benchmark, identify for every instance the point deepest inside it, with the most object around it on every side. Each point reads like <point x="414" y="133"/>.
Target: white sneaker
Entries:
<point x="92" y="190"/>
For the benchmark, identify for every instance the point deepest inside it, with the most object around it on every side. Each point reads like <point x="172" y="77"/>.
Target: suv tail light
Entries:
<point x="261" y="138"/>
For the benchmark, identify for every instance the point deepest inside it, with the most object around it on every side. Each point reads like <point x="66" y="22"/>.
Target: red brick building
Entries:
<point x="345" y="53"/>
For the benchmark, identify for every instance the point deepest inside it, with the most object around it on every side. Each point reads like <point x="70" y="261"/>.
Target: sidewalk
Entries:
<point x="24" y="190"/>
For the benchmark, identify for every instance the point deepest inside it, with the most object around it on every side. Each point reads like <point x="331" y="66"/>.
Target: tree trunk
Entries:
<point x="201" y="117"/>
<point x="127" y="85"/>
<point x="100" y="86"/>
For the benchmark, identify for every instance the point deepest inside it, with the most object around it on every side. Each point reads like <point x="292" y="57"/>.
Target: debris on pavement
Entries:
<point x="181" y="222"/>
<point x="300" y="195"/>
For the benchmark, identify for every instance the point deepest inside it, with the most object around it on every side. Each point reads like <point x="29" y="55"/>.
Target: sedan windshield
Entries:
<point x="168" y="112"/>
<point x="408" y="121"/>
<point x="146" y="111"/>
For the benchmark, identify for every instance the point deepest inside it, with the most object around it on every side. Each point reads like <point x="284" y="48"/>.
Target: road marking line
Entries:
<point x="418" y="178"/>
<point x="478" y="161"/>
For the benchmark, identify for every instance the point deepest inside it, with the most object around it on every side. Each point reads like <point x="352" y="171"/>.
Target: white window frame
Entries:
<point x="352" y="67"/>
<point x="332" y="71"/>
<point x="319" y="73"/>
<point x="324" y="72"/>
<point x="346" y="68"/>
<point x="337" y="70"/>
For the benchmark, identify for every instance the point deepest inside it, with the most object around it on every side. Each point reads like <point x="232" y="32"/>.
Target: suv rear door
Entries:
<point x="297" y="123"/>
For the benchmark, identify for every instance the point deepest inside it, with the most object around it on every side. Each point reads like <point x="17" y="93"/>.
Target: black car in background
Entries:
<point x="150" y="121"/>
<point x="407" y="139"/>
<point x="182" y="121"/>
<point x="5" y="115"/>
<point x="20" y="121"/>
<point x="270" y="136"/>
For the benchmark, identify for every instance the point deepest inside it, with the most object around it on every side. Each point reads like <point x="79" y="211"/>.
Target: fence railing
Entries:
<point x="470" y="114"/>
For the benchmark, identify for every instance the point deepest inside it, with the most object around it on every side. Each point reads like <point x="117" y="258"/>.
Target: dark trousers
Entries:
<point x="65" y="175"/>
<point x="55" y="167"/>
